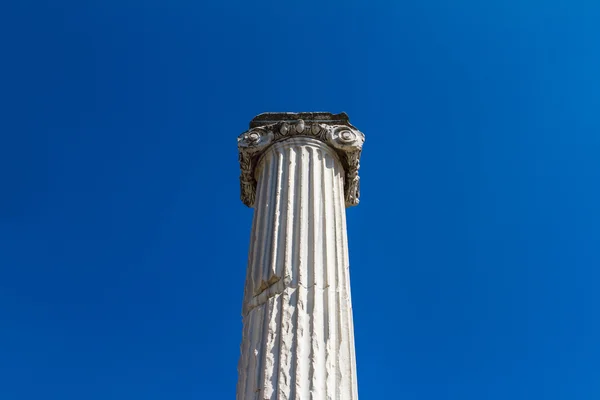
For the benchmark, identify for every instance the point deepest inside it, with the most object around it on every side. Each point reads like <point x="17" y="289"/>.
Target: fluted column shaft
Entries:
<point x="298" y="340"/>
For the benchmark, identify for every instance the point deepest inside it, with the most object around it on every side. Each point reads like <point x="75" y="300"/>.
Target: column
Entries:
<point x="299" y="172"/>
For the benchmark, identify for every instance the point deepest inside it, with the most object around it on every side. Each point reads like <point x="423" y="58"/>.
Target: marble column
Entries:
<point x="299" y="173"/>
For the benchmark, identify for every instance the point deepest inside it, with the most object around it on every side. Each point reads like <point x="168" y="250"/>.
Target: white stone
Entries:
<point x="298" y="339"/>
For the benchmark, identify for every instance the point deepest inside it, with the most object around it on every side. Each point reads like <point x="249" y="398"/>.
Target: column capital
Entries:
<point x="334" y="130"/>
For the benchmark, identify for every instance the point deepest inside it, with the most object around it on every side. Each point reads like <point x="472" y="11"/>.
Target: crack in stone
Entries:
<point x="277" y="287"/>
<point x="265" y="285"/>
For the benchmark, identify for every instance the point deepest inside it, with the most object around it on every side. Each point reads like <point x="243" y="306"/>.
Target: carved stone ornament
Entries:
<point x="333" y="129"/>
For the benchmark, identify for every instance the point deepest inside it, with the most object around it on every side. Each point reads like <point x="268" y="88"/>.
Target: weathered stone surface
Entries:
<point x="332" y="129"/>
<point x="298" y="339"/>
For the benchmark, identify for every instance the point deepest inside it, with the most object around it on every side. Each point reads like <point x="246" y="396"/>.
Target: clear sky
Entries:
<point x="475" y="251"/>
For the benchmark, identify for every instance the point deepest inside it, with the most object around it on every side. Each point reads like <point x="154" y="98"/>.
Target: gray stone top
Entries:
<point x="334" y="130"/>
<point x="319" y="117"/>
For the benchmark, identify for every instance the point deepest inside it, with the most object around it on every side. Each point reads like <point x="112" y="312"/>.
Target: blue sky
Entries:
<point x="123" y="242"/>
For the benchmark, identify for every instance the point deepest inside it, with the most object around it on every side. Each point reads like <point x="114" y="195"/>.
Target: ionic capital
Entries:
<point x="334" y="130"/>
